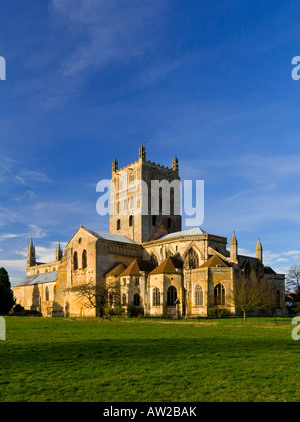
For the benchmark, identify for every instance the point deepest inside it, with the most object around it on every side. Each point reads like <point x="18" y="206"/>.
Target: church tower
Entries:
<point x="132" y="210"/>
<point x="31" y="261"/>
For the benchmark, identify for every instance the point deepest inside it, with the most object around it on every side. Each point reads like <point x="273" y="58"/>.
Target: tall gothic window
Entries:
<point x="118" y="224"/>
<point x="199" y="295"/>
<point x="278" y="299"/>
<point x="47" y="294"/>
<point x="124" y="299"/>
<point x="156" y="296"/>
<point x="84" y="259"/>
<point x="130" y="220"/>
<point x="193" y="260"/>
<point x="219" y="294"/>
<point x="172" y="201"/>
<point x="136" y="300"/>
<point x="171" y="296"/>
<point x="160" y="201"/>
<point x="247" y="271"/>
<point x="75" y="261"/>
<point x="131" y="178"/>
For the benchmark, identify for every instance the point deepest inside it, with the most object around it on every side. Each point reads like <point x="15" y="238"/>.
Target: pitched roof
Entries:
<point x="138" y="265"/>
<point x="116" y="269"/>
<point x="190" y="232"/>
<point x="214" y="261"/>
<point x="38" y="279"/>
<point x="161" y="230"/>
<point x="168" y="266"/>
<point x="269" y="270"/>
<point x="111" y="236"/>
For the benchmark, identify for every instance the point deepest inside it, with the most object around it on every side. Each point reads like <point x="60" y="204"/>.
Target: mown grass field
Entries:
<point x="57" y="359"/>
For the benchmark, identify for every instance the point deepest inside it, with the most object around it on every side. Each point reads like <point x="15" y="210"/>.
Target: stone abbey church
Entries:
<point x="145" y="262"/>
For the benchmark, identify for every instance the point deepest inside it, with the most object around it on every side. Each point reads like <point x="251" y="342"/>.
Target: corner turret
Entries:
<point x="259" y="251"/>
<point x="142" y="152"/>
<point x="115" y="166"/>
<point x="234" y="249"/>
<point x="175" y="163"/>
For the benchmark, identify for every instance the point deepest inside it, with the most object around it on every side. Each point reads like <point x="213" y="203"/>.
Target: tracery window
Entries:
<point x="219" y="294"/>
<point x="156" y="296"/>
<point x="199" y="295"/>
<point x="193" y="259"/>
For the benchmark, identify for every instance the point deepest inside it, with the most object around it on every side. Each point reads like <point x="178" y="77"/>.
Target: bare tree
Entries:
<point x="95" y="297"/>
<point x="250" y="295"/>
<point x="88" y="295"/>
<point x="293" y="278"/>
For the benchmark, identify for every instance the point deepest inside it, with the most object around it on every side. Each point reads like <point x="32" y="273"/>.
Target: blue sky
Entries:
<point x="88" y="80"/>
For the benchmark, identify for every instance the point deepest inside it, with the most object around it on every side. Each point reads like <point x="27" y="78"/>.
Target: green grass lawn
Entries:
<point x="60" y="359"/>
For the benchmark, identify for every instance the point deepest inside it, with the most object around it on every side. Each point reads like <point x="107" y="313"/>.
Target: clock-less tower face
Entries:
<point x="132" y="213"/>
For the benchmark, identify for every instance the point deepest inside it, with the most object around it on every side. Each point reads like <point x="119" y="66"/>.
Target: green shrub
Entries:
<point x="17" y="308"/>
<point x="108" y="312"/>
<point x="218" y="313"/>
<point x="120" y="311"/>
<point x="134" y="311"/>
<point x="25" y="312"/>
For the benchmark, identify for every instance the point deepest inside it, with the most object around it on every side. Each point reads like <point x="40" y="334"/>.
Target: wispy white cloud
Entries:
<point x="36" y="231"/>
<point x="33" y="231"/>
<point x="16" y="172"/>
<point x="13" y="264"/>
<point x="27" y="195"/>
<point x="110" y="31"/>
<point x="6" y="236"/>
<point x="34" y="176"/>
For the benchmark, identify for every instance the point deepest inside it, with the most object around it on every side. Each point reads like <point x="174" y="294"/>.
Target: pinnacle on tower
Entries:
<point x="175" y="163"/>
<point x="115" y="165"/>
<point x="142" y="152"/>
<point x="58" y="253"/>
<point x="259" y="251"/>
<point x="31" y="261"/>
<point x="233" y="248"/>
